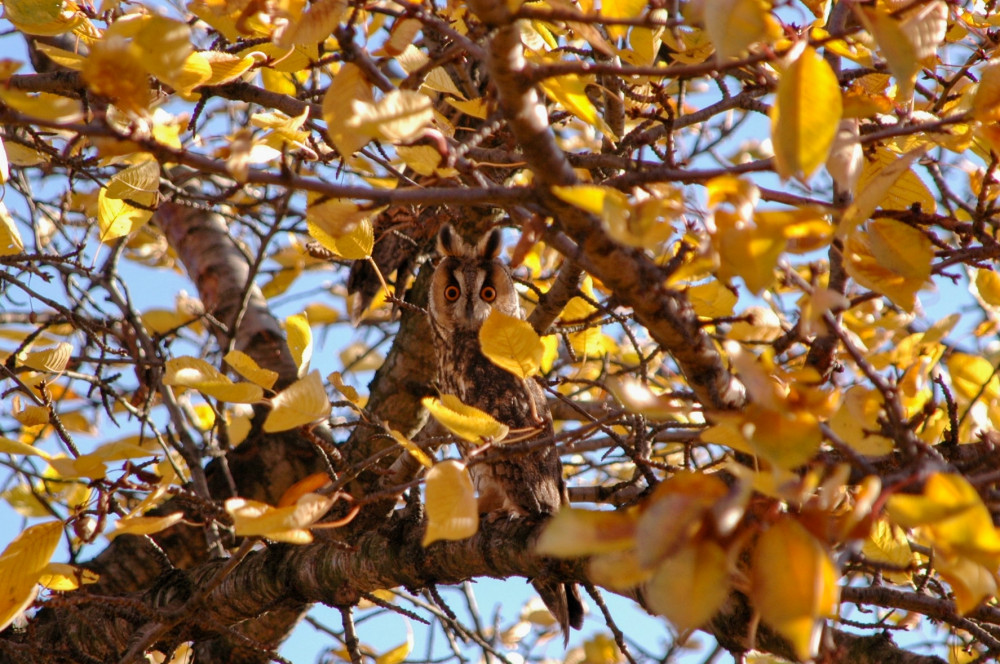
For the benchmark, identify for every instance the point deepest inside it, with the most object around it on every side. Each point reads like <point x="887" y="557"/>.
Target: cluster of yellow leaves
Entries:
<point x="682" y="547"/>
<point x="645" y="221"/>
<point x="748" y="242"/>
<point x="782" y="423"/>
<point x="950" y="517"/>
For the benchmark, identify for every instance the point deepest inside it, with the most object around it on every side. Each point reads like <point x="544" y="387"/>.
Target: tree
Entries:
<point x="730" y="219"/>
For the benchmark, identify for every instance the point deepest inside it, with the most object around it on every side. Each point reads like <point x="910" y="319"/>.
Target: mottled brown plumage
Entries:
<point x="468" y="283"/>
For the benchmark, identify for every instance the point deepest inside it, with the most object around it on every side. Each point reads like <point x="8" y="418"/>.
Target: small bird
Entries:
<point x="468" y="283"/>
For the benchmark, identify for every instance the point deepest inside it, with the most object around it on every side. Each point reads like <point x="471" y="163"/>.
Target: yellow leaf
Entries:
<point x="464" y="421"/>
<point x="987" y="284"/>
<point x="43" y="18"/>
<point x="164" y="321"/>
<point x="15" y="447"/>
<point x="805" y="115"/>
<point x="163" y="45"/>
<point x="398" y="654"/>
<point x="986" y="101"/>
<point x="116" y="218"/>
<point x="348" y="85"/>
<point x="856" y="422"/>
<point x="890" y="258"/>
<point x="145" y="525"/>
<point x="113" y="71"/>
<point x="301" y="403"/>
<point x="570" y="91"/>
<point x="475" y="108"/>
<point x="61" y="57"/>
<point x="43" y="105"/>
<point x="343" y="227"/>
<point x="886" y="543"/>
<point x="973" y="376"/>
<point x="969" y="580"/>
<point x="621" y="9"/>
<point x="425" y="160"/>
<point x="299" y="336"/>
<point x="746" y="252"/>
<point x="138" y="182"/>
<point x="674" y="514"/>
<point x="574" y="533"/>
<point x="10" y="238"/>
<point x="202" y="376"/>
<point x="638" y="398"/>
<point x="413" y="449"/>
<point x="450" y="503"/>
<point x="351" y="394"/>
<point x="619" y="570"/>
<point x="794" y="585"/>
<point x="226" y="67"/>
<point x="51" y="360"/>
<point x="245" y="366"/>
<point x="309" y="484"/>
<point x="398" y="117"/>
<point x="736" y="25"/>
<point x="21" y="565"/>
<point x="906" y="41"/>
<point x="690" y="586"/>
<point x="314" y="26"/>
<point x="712" y="299"/>
<point x="945" y="496"/>
<point x="281" y="524"/>
<point x="887" y="181"/>
<point x="63" y="577"/>
<point x="511" y="344"/>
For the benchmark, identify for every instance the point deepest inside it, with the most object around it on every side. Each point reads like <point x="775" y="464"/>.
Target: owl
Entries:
<point x="468" y="283"/>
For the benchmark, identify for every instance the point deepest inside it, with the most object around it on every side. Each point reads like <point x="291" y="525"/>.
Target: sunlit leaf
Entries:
<point x="678" y="510"/>
<point x="63" y="577"/>
<point x="50" y="360"/>
<point x="299" y="337"/>
<point x="301" y="403"/>
<point x="21" y="565"/>
<point x="736" y="25"/>
<point x="398" y="117"/>
<point x="202" y="376"/>
<point x="145" y="525"/>
<point x="570" y="91"/>
<point x="988" y="286"/>
<point x="886" y="543"/>
<point x="856" y="422"/>
<point x="891" y="258"/>
<point x="690" y="586"/>
<point x="511" y="344"/>
<point x="574" y="533"/>
<point x="887" y="181"/>
<point x="712" y="299"/>
<point x="794" y="585"/>
<point x="10" y="238"/>
<point x="43" y="105"/>
<point x="466" y="422"/>
<point x="281" y="524"/>
<point x="450" y="503"/>
<point x="245" y="366"/>
<point x="805" y="116"/>
<point x="413" y="449"/>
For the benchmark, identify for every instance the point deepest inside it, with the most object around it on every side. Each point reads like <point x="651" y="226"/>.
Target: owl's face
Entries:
<point x="469" y="282"/>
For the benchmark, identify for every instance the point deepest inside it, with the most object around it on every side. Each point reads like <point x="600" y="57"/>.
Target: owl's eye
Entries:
<point x="488" y="293"/>
<point x="451" y="293"/>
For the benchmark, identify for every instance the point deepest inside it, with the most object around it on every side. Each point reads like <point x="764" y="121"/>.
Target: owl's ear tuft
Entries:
<point x="448" y="244"/>
<point x="489" y="246"/>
